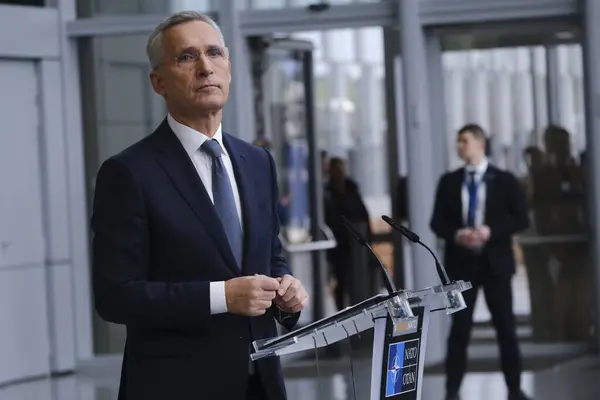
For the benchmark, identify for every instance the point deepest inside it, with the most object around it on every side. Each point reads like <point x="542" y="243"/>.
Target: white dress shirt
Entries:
<point x="191" y="141"/>
<point x="481" y="192"/>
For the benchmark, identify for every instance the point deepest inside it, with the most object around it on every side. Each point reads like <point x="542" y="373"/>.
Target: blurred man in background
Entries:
<point x="478" y="208"/>
<point x="343" y="198"/>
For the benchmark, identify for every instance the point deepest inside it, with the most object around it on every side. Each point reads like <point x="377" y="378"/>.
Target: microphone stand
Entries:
<point x="387" y="280"/>
<point x="413" y="237"/>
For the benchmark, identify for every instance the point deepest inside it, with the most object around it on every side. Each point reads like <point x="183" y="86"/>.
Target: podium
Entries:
<point x="400" y="321"/>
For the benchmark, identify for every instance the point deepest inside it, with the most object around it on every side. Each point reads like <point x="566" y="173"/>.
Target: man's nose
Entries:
<point x="204" y="65"/>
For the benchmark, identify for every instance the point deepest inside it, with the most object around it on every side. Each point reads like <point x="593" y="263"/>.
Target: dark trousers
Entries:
<point x="256" y="390"/>
<point x="498" y="296"/>
<point x="341" y="272"/>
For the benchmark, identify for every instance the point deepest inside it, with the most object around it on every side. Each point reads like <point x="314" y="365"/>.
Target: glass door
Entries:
<point x="284" y="109"/>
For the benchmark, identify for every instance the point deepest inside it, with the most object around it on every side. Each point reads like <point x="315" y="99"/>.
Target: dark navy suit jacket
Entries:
<point x="158" y="243"/>
<point x="505" y="214"/>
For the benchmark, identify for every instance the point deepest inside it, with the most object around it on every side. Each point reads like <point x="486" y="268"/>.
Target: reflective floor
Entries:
<point x="575" y="380"/>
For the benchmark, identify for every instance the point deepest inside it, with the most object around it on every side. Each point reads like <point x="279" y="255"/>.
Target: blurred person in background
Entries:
<point x="186" y="251"/>
<point x="478" y="208"/>
<point x="343" y="198"/>
<point x="325" y="166"/>
<point x="284" y="202"/>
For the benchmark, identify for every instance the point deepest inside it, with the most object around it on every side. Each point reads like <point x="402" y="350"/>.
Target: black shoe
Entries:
<point x="452" y="397"/>
<point x="518" y="396"/>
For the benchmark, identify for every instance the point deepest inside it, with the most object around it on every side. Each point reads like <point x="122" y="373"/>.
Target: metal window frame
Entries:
<point x="433" y="14"/>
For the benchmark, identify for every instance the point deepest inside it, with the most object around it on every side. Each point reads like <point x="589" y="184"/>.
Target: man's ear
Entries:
<point x="229" y="70"/>
<point x="156" y="81"/>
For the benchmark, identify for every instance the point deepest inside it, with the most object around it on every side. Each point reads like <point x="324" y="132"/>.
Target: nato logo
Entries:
<point x="402" y="368"/>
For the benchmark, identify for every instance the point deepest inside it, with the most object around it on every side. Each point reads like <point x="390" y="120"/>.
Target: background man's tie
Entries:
<point x="224" y="200"/>
<point x="472" y="189"/>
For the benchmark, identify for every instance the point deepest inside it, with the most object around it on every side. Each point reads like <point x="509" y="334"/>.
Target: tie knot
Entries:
<point x="212" y="148"/>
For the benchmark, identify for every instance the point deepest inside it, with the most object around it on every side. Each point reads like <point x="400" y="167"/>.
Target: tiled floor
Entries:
<point x="577" y="380"/>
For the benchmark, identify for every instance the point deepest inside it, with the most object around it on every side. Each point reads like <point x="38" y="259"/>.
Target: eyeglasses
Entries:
<point x="189" y="58"/>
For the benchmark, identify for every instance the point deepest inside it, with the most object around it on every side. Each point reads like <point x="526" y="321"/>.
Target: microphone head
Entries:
<point x="410" y="235"/>
<point x="348" y="225"/>
<point x="390" y="221"/>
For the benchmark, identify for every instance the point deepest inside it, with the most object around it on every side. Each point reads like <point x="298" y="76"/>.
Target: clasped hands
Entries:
<point x="473" y="238"/>
<point x="254" y="295"/>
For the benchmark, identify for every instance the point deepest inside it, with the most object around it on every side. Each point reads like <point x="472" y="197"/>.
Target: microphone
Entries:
<point x="389" y="285"/>
<point x="413" y="237"/>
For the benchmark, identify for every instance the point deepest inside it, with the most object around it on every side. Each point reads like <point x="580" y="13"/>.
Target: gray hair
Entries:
<point x="154" y="47"/>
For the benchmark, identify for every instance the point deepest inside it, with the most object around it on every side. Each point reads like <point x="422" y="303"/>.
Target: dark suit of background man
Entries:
<point x="186" y="249"/>
<point x="477" y="210"/>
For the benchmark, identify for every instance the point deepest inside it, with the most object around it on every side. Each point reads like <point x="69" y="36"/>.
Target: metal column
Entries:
<point x="591" y="56"/>
<point x="339" y="118"/>
<point x="238" y="114"/>
<point x="394" y="141"/>
<point x="317" y="212"/>
<point x="539" y="88"/>
<point x="421" y="180"/>
<point x="439" y="123"/>
<point x="553" y="84"/>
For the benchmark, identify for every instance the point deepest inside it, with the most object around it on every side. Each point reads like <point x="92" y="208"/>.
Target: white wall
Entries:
<point x="24" y="337"/>
<point x="38" y="321"/>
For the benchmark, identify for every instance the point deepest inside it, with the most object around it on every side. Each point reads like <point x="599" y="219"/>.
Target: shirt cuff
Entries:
<point x="218" y="302"/>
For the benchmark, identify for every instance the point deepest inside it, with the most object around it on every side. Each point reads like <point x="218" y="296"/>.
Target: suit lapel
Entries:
<point x="180" y="169"/>
<point x="489" y="177"/>
<point x="248" y="198"/>
<point x="457" y="195"/>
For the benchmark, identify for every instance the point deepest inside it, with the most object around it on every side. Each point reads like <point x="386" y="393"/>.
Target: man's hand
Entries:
<point x="250" y="295"/>
<point x="483" y="233"/>
<point x="467" y="237"/>
<point x="473" y="238"/>
<point x="291" y="296"/>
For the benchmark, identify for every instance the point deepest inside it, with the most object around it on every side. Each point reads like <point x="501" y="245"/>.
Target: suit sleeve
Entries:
<point x="439" y="220"/>
<point x="279" y="263"/>
<point x="516" y="218"/>
<point x="121" y="259"/>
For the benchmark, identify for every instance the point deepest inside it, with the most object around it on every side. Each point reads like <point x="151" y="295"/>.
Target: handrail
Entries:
<point x="551" y="239"/>
<point x="309" y="246"/>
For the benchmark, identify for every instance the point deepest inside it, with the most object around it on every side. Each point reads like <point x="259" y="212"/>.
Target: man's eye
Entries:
<point x="214" y="52"/>
<point x="186" y="57"/>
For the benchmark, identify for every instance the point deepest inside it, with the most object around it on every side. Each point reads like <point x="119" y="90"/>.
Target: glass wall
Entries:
<point x="351" y="117"/>
<point x="506" y="91"/>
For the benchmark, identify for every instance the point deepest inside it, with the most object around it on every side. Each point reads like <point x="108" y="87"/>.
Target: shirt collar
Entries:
<point x="191" y="139"/>
<point x="479" y="169"/>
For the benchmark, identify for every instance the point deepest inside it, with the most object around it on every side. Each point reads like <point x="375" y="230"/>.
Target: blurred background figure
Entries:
<point x="284" y="200"/>
<point x="559" y="273"/>
<point x="343" y="198"/>
<point x="477" y="210"/>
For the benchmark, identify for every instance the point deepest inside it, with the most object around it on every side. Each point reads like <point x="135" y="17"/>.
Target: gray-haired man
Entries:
<point x="186" y="249"/>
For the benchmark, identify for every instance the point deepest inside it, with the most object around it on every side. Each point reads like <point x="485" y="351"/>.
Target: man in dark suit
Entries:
<point x="186" y="251"/>
<point x="477" y="210"/>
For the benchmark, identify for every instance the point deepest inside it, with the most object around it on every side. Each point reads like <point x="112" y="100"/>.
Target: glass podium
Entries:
<point x="400" y="321"/>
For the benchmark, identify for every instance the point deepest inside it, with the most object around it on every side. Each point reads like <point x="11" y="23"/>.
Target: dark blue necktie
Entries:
<point x="224" y="200"/>
<point x="472" y="189"/>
